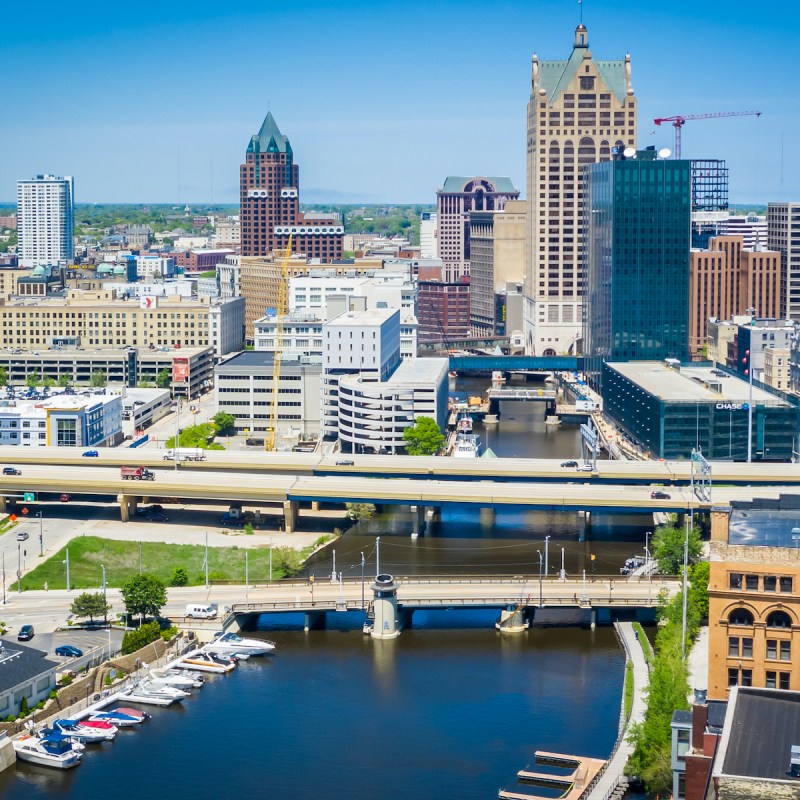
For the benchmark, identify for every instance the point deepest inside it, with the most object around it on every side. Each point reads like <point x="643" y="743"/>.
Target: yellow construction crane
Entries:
<point x="281" y="310"/>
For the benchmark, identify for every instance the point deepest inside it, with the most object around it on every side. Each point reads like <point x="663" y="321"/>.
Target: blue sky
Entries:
<point x="381" y="101"/>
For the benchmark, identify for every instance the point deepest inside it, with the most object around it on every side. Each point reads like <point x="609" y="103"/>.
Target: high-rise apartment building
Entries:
<point x="637" y="272"/>
<point x="428" y="235"/>
<point x="783" y="235"/>
<point x="455" y="201"/>
<point x="270" y="202"/>
<point x="726" y="280"/>
<point x="580" y="110"/>
<point x="45" y="220"/>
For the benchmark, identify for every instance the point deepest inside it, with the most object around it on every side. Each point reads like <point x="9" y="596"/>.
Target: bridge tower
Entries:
<point x="385" y="607"/>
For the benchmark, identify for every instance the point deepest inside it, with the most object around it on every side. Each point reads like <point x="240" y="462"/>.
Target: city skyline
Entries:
<point x="103" y="85"/>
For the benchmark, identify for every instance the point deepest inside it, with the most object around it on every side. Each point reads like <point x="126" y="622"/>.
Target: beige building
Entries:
<point x="776" y="367"/>
<point x="579" y="111"/>
<point x="9" y="278"/>
<point x="726" y="280"/>
<point x="497" y="258"/>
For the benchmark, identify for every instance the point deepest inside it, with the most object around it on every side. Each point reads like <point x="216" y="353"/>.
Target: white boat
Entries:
<point x="52" y="750"/>
<point x="178" y="680"/>
<point x="148" y="685"/>
<point x="121" y="719"/>
<point x="137" y="694"/>
<point x="232" y="644"/>
<point x="85" y="733"/>
<point x="467" y="446"/>
<point x="203" y="662"/>
<point x="464" y="424"/>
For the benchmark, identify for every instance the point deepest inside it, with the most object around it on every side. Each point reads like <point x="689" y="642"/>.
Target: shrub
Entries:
<point x="108" y="680"/>
<point x="136" y="639"/>
<point x="248" y="528"/>
<point x="65" y="679"/>
<point x="321" y="540"/>
<point x="23" y="707"/>
<point x="169" y="633"/>
<point x="40" y="705"/>
<point x="180" y="577"/>
<point x="53" y="694"/>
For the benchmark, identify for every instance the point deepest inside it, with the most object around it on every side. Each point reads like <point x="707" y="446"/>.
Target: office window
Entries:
<point x="733" y="647"/>
<point x="735" y="580"/>
<point x="733" y="677"/>
<point x="747" y="647"/>
<point x="784" y="680"/>
<point x="772" y="648"/>
<point x="747" y="677"/>
<point x="752" y="583"/>
<point x="770" y="583"/>
<point x="786" y="651"/>
<point x="771" y="679"/>
<point x="786" y="585"/>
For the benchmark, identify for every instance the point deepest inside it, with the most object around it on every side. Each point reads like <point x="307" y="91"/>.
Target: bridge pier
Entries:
<point x="488" y="517"/>
<point x="385" y="607"/>
<point x="433" y="514"/>
<point x="584" y="525"/>
<point x="127" y="505"/>
<point x="290" y="511"/>
<point x="315" y="620"/>
<point x="417" y="520"/>
<point x="315" y="505"/>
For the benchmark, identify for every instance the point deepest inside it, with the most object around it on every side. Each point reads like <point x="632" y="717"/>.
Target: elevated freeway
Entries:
<point x="528" y="470"/>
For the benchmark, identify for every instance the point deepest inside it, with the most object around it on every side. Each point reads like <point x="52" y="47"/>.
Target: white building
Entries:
<point x="24" y="672"/>
<point x="229" y="277"/>
<point x="428" y="235"/>
<point x="45" y="220"/>
<point x="180" y="287"/>
<point x="143" y="407"/>
<point x="372" y="415"/>
<point x="155" y="266"/>
<point x="783" y="236"/>
<point x="227" y="231"/>
<point x="751" y="227"/>
<point x="226" y="319"/>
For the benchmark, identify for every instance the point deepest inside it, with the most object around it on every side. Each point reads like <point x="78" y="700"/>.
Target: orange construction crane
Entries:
<point x="679" y="119"/>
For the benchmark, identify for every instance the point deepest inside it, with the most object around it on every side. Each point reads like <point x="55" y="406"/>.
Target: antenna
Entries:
<point x="179" y="174"/>
<point x="580" y="6"/>
<point x="629" y="152"/>
<point x="664" y="152"/>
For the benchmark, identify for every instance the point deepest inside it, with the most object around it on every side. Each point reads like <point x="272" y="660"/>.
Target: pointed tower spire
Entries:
<point x="269" y="138"/>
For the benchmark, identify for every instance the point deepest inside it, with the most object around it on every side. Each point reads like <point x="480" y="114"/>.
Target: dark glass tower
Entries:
<point x="637" y="261"/>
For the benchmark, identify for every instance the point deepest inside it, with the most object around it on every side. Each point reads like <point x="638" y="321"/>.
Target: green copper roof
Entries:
<point x="269" y="139"/>
<point x="455" y="184"/>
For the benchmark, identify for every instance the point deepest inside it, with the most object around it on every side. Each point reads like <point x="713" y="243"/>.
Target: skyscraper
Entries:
<point x="45" y="220"/>
<point x="579" y="110"/>
<point x="270" y="202"/>
<point x="637" y="253"/>
<point x="783" y="236"/>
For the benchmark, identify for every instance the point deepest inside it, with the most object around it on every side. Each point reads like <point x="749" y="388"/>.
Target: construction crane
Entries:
<point x="281" y="310"/>
<point x="679" y="120"/>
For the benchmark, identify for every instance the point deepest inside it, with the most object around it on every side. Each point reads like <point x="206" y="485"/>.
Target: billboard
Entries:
<point x="180" y="370"/>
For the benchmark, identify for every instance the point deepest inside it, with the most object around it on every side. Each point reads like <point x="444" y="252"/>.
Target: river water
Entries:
<point x="449" y="709"/>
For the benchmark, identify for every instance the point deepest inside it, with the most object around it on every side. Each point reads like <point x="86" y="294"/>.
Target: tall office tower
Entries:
<point x="428" y="235"/>
<point x="269" y="183"/>
<point x="709" y="199"/>
<point x="579" y="111"/>
<point x="456" y="200"/>
<point x="751" y="227"/>
<point x="46" y="220"/>
<point x="726" y="280"/>
<point x="783" y="235"/>
<point x="637" y="261"/>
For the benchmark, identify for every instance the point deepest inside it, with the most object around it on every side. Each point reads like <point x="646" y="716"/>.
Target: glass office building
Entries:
<point x="637" y="261"/>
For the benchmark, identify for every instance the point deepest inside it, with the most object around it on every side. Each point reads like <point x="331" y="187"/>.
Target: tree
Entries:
<point x="90" y="604"/>
<point x="99" y="379"/>
<point x="3" y="376"/>
<point x="224" y="422"/>
<point x="698" y="590"/>
<point x="180" y="577"/>
<point x="668" y="547"/>
<point x="144" y="594"/>
<point x="64" y="380"/>
<point x="287" y="560"/>
<point x="33" y="380"/>
<point x="424" y="438"/>
<point x="48" y="382"/>
<point x="360" y="511"/>
<point x="164" y="379"/>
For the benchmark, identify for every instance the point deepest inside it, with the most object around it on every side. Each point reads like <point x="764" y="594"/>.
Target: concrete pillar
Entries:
<point x="593" y="623"/>
<point x="385" y="607"/>
<point x="315" y="620"/>
<point x="433" y="514"/>
<point x="315" y="505"/>
<point x="584" y="525"/>
<point x="290" y="515"/>
<point x="3" y="509"/>
<point x="417" y="520"/>
<point x="488" y="517"/>
<point x="127" y="506"/>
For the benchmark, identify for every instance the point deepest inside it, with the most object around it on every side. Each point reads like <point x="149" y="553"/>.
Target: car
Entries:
<point x="585" y="468"/>
<point x="157" y="517"/>
<point x="90" y="454"/>
<point x="69" y="651"/>
<point x="11" y="471"/>
<point x="65" y="498"/>
<point x="22" y="536"/>
<point x="25" y="633"/>
<point x="345" y="462"/>
<point x="569" y="463"/>
<point x="659" y="496"/>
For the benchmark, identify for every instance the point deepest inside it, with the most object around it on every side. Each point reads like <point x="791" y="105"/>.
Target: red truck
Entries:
<point x="137" y="474"/>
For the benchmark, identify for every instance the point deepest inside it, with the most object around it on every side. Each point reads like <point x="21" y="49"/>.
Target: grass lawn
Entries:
<point x="628" y="689"/>
<point x="121" y="560"/>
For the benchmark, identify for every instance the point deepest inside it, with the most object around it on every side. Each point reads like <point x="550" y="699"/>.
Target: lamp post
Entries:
<point x="648" y="565"/>
<point x="4" y="578"/>
<point x="546" y="555"/>
<point x="105" y="604"/>
<point x="363" y="563"/>
<point x="19" y="569"/>
<point x="66" y="561"/>
<point x="177" y="433"/>
<point x="41" y="533"/>
<point x="749" y="357"/>
<point x="246" y="580"/>
<point x="540" y="577"/>
<point x="563" y="574"/>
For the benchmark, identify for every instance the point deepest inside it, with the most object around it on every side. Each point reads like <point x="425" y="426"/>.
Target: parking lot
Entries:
<point x="92" y="643"/>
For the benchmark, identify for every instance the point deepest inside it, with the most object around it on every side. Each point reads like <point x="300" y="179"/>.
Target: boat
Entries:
<point x="147" y="685"/>
<point x="203" y="662"/>
<point x="140" y="694"/>
<point x="101" y="725"/>
<point x="51" y="750"/>
<point x="118" y="718"/>
<point x="178" y="680"/>
<point x="131" y="712"/>
<point x="512" y="621"/>
<point x="467" y="446"/>
<point x="85" y="732"/>
<point x="231" y="643"/>
<point x="464" y="424"/>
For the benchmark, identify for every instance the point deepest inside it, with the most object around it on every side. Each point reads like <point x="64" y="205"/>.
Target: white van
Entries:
<point x="201" y="611"/>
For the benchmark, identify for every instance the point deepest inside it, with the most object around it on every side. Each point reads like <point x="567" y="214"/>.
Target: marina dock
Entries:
<point x="574" y="784"/>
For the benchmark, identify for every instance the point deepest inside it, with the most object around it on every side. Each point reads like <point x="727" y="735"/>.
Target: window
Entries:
<point x="784" y="680"/>
<point x="779" y="619"/>
<point x="747" y="647"/>
<point x="751" y="583"/>
<point x="772" y="648"/>
<point x="747" y="677"/>
<point x="786" y="585"/>
<point x="740" y="616"/>
<point x="786" y="651"/>
<point x="735" y="580"/>
<point x="771" y="679"/>
<point x="733" y="677"/>
<point x="733" y="647"/>
<point x="770" y="583"/>
<point x="683" y="744"/>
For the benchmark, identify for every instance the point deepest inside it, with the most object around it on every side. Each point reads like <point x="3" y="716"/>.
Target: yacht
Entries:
<point x="467" y="446"/>
<point x="232" y="644"/>
<point x="85" y="733"/>
<point x="203" y="662"/>
<point x="51" y="750"/>
<point x="119" y="718"/>
<point x="150" y="697"/>
<point x="177" y="679"/>
<point x="464" y="424"/>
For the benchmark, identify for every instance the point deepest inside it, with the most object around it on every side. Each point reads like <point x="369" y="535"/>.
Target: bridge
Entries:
<point x="601" y="599"/>
<point x="496" y="395"/>
<point x="516" y="363"/>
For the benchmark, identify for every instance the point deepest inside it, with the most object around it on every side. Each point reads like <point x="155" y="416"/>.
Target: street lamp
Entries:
<point x="540" y="577"/>
<point x="105" y="604"/>
<point x="66" y="561"/>
<point x="546" y="555"/>
<point x="648" y="565"/>
<point x="41" y="533"/>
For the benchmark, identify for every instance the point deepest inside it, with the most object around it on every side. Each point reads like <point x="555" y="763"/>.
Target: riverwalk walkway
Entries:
<point x="614" y="772"/>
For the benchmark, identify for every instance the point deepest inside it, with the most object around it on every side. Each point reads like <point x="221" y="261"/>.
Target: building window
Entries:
<point x="733" y="677"/>
<point x="747" y="677"/>
<point x="747" y="647"/>
<point x="733" y="647"/>
<point x="772" y="648"/>
<point x="682" y="744"/>
<point x="779" y="619"/>
<point x="770" y="583"/>
<point x="771" y="679"/>
<point x="752" y="583"/>
<point x="786" y="651"/>
<point x="740" y="616"/>
<point x="784" y="680"/>
<point x="786" y="585"/>
<point x="735" y="580"/>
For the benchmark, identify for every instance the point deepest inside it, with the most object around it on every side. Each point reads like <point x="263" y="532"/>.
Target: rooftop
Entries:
<point x="260" y="359"/>
<point x="370" y="316"/>
<point x="414" y="371"/>
<point x="694" y="384"/>
<point x="20" y="663"/>
<point x="765" y="527"/>
<point x="455" y="184"/>
<point x="761" y="727"/>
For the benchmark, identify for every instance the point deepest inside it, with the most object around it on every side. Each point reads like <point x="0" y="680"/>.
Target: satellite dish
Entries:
<point x="629" y="152"/>
<point x="664" y="152"/>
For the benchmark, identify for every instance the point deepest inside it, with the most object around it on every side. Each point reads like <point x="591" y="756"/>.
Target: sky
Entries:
<point x="156" y="102"/>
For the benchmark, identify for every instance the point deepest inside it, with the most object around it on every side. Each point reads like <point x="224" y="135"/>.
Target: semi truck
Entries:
<point x="185" y="454"/>
<point x="137" y="474"/>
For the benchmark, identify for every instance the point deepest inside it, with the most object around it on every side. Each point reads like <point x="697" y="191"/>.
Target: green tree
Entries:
<point x="144" y="594"/>
<point x="224" y="422"/>
<point x="360" y="511"/>
<point x="287" y="560"/>
<point x="3" y="376"/>
<point x="180" y="577"/>
<point x="90" y="604"/>
<point x="698" y="591"/>
<point x="64" y="380"/>
<point x="24" y="709"/>
<point x="49" y="382"/>
<point x="33" y="380"/>
<point x="99" y="379"/>
<point x="424" y="438"/>
<point x="164" y="379"/>
<point x="139" y="638"/>
<point x="668" y="547"/>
